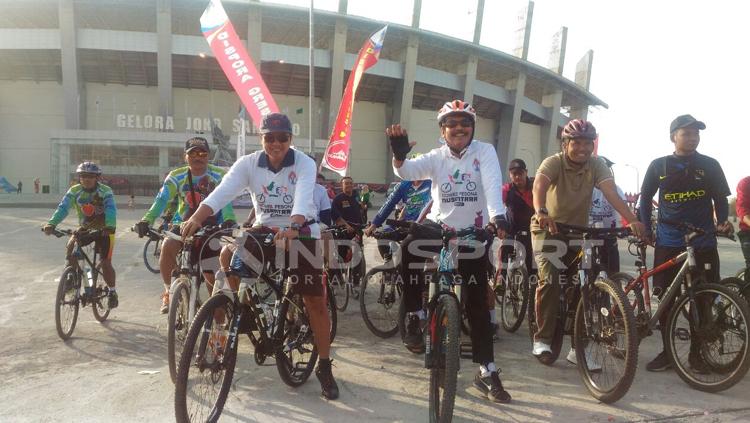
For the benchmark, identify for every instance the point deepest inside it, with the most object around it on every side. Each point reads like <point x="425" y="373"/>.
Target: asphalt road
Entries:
<point x="98" y="375"/>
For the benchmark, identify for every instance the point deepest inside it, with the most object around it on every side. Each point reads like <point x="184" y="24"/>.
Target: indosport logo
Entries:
<point x="681" y="197"/>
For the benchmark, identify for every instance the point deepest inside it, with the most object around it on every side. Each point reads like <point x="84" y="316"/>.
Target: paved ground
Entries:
<point x="95" y="376"/>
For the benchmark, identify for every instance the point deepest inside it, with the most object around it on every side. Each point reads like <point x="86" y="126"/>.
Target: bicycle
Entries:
<point x="382" y="288"/>
<point x="281" y="330"/>
<point x="348" y="284"/>
<point x="443" y="323"/>
<point x="152" y="247"/>
<point x="512" y="289"/>
<point x="69" y="296"/>
<point x="596" y="313"/>
<point x="706" y="316"/>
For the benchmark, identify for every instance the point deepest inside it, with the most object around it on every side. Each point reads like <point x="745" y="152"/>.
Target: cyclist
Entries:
<point x="743" y="214"/>
<point x="602" y="213"/>
<point x="691" y="187"/>
<point x="280" y="180"/>
<point x="563" y="188"/>
<point x="190" y="185"/>
<point x="96" y="209"/>
<point x="465" y="175"/>
<point x="346" y="210"/>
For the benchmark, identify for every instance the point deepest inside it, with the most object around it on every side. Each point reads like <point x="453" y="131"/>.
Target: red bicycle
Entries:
<point x="707" y="328"/>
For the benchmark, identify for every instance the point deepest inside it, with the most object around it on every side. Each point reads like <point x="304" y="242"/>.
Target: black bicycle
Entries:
<point x="512" y="286"/>
<point x="351" y="266"/>
<point x="279" y="329"/>
<point x="87" y="268"/>
<point x="152" y="247"/>
<point x="382" y="287"/>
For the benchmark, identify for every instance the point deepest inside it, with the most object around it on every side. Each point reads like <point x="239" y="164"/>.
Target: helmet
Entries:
<point x="89" y="167"/>
<point x="456" y="107"/>
<point x="579" y="128"/>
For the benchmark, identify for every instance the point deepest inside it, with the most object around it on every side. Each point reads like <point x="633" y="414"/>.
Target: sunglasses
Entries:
<point x="281" y="137"/>
<point x="466" y="123"/>
<point x="197" y="153"/>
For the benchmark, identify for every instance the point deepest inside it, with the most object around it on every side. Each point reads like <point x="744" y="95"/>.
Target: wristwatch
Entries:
<point x="542" y="210"/>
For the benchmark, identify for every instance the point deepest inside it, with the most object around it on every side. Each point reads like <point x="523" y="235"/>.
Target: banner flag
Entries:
<point x="236" y="63"/>
<point x="336" y="157"/>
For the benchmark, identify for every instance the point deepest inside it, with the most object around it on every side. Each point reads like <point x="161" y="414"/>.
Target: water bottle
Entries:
<point x="89" y="288"/>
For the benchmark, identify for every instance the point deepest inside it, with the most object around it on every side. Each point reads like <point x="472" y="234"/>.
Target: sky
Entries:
<point x="653" y="60"/>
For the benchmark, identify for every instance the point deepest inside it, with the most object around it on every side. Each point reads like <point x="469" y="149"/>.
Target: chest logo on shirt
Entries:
<point x="476" y="165"/>
<point x="458" y="178"/>
<point x="274" y="190"/>
<point x="293" y="178"/>
<point x="92" y="208"/>
<point x="681" y="197"/>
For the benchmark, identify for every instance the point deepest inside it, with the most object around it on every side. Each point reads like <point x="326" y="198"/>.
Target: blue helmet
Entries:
<point x="89" y="167"/>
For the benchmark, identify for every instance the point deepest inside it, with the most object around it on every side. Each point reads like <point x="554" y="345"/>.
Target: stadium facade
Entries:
<point x="125" y="83"/>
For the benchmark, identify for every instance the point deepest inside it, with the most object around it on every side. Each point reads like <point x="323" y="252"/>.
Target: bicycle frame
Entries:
<point x="186" y="272"/>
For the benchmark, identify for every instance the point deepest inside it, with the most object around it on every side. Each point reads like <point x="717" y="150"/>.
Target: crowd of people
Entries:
<point x="458" y="184"/>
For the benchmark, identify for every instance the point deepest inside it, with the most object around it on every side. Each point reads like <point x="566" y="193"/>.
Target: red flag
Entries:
<point x="235" y="62"/>
<point x="336" y="156"/>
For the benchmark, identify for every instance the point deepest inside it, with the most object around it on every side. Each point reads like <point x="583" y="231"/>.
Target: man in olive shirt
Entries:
<point x="563" y="188"/>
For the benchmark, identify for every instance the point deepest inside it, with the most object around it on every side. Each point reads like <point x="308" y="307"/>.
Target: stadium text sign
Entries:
<point x="192" y="124"/>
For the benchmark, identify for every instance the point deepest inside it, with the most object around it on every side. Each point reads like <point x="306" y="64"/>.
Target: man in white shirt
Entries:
<point x="280" y="180"/>
<point x="466" y="177"/>
<point x="602" y="213"/>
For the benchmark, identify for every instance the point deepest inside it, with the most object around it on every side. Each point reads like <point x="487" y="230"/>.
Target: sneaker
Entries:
<point x="328" y="387"/>
<point x="541" y="348"/>
<point x="164" y="303"/>
<point x="698" y="364"/>
<point x="413" y="338"/>
<point x="660" y="363"/>
<point x="492" y="386"/>
<point x="112" y="299"/>
<point x="592" y="365"/>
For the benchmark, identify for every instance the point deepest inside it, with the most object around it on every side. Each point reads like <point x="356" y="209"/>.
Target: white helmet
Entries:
<point x="456" y="107"/>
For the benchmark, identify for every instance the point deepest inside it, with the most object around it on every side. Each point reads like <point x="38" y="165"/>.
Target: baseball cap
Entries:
<point x="684" y="121"/>
<point x="196" y="143"/>
<point x="275" y="122"/>
<point x="517" y="164"/>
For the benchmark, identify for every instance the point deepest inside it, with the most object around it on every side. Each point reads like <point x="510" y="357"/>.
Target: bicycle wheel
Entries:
<point x="340" y="289"/>
<point x="177" y="324"/>
<point x="332" y="315"/>
<point x="610" y="340"/>
<point x="67" y="303"/>
<point x="378" y="297"/>
<point x="100" y="305"/>
<point x="297" y="353"/>
<point x="515" y="299"/>
<point x="738" y="285"/>
<point x="713" y="355"/>
<point x="446" y="349"/>
<point x="207" y="363"/>
<point x="151" y="253"/>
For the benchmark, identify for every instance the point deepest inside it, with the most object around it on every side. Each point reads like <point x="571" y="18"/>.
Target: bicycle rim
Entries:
<point x="151" y="252"/>
<point x="177" y="326"/>
<point x="446" y="347"/>
<point x="100" y="305"/>
<point x="611" y="342"/>
<point x="713" y="355"/>
<point x="378" y="302"/>
<point x="297" y="353"/>
<point x="514" y="300"/>
<point x="207" y="363"/>
<point x="66" y="303"/>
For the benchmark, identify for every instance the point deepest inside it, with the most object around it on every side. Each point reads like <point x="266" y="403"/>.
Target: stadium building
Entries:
<point x="125" y="83"/>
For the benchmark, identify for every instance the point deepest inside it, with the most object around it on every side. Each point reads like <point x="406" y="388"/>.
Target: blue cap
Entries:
<point x="275" y="122"/>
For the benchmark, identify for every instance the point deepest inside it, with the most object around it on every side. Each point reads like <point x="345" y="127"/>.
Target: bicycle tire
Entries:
<point x="177" y="321"/>
<point x="622" y="311"/>
<point x="152" y="255"/>
<point x="387" y="293"/>
<point x="200" y="333"/>
<point x="332" y="314"/>
<point x="738" y="285"/>
<point x="100" y="306"/>
<point x="741" y="363"/>
<point x="69" y="276"/>
<point x="294" y="333"/>
<point x="446" y="347"/>
<point x="512" y="323"/>
<point x="340" y="288"/>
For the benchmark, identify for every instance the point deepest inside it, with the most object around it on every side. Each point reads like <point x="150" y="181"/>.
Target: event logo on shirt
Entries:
<point x="293" y="178"/>
<point x="476" y="165"/>
<point x="272" y="190"/>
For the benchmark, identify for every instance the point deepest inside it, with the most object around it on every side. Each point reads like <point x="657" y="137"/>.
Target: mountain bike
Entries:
<point x="512" y="286"/>
<point x="595" y="312"/>
<point x="382" y="288"/>
<point x="152" y="247"/>
<point x="443" y="324"/>
<point x="280" y="329"/>
<point x="95" y="291"/>
<point x="351" y="266"/>
<point x="706" y="335"/>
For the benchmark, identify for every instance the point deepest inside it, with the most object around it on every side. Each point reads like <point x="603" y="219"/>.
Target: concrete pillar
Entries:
<point x="510" y="121"/>
<point x="478" y="22"/>
<point x="583" y="79"/>
<point x="74" y="90"/>
<point x="63" y="168"/>
<point x="335" y="83"/>
<point x="549" y="143"/>
<point x="470" y="77"/>
<point x="557" y="53"/>
<point x="164" y="56"/>
<point x="416" y="13"/>
<point x="254" y="26"/>
<point x="163" y="158"/>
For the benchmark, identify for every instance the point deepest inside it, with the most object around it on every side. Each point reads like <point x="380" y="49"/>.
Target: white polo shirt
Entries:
<point x="465" y="191"/>
<point x="277" y="194"/>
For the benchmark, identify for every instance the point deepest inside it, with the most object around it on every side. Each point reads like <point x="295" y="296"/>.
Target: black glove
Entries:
<point x="400" y="146"/>
<point x="142" y="228"/>
<point x="500" y="223"/>
<point x="228" y="224"/>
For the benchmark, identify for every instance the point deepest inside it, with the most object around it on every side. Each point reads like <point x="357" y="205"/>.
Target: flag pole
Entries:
<point x="311" y="77"/>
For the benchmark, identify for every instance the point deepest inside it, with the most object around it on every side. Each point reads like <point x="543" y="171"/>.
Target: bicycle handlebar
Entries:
<point x="694" y="229"/>
<point x="481" y="234"/>
<point x="595" y="232"/>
